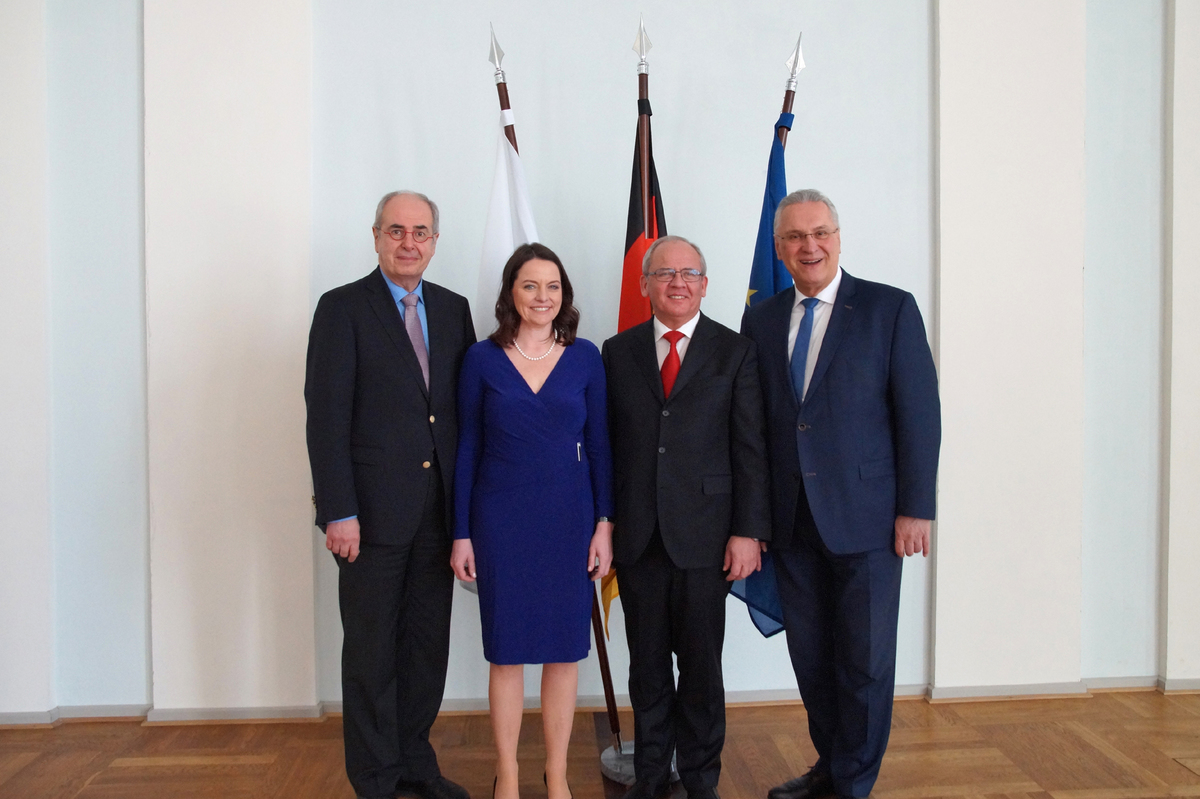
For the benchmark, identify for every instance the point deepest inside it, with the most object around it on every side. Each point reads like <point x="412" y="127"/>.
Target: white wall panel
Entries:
<point x="1122" y="340"/>
<point x="1011" y="95"/>
<point x="26" y="567"/>
<point x="1181" y="667"/>
<point x="227" y="129"/>
<point x="101" y="544"/>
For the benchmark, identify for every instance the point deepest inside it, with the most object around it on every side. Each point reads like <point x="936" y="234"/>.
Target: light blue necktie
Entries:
<point x="800" y="350"/>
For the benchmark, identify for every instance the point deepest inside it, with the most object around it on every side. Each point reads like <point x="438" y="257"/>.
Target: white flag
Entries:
<point x="509" y="224"/>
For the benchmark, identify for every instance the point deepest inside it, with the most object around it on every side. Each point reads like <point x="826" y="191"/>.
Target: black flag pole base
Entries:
<point x="617" y="765"/>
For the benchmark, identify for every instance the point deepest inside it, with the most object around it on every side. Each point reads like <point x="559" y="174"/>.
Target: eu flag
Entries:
<point x="767" y="277"/>
<point x="767" y="273"/>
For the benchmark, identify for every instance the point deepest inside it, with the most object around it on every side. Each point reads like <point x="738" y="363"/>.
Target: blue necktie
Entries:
<point x="800" y="350"/>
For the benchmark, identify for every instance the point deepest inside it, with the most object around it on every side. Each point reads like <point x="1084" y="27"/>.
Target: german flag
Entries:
<point x="635" y="308"/>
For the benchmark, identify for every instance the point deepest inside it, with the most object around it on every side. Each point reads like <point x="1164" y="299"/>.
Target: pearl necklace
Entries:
<point x="544" y="355"/>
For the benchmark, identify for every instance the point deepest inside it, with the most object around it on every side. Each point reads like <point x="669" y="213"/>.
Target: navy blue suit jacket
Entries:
<point x="374" y="429"/>
<point x="866" y="440"/>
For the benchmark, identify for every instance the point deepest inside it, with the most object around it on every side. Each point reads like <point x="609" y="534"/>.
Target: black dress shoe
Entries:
<point x="813" y="785"/>
<point x="436" y="788"/>
<point x="644" y="790"/>
<point x="703" y="793"/>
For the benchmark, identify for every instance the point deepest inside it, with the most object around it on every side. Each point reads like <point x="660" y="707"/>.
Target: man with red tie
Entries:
<point x="692" y="508"/>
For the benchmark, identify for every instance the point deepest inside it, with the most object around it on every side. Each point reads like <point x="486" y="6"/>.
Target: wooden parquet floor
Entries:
<point x="1107" y="746"/>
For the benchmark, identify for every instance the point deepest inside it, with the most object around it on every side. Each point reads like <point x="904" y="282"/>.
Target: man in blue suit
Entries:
<point x="853" y="432"/>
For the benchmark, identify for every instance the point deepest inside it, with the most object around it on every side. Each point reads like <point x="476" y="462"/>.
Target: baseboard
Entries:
<point x="41" y="718"/>
<point x="1101" y="684"/>
<point x="231" y="714"/>
<point x="101" y="712"/>
<point x="1073" y="690"/>
<point x="1191" y="686"/>
<point x="330" y="708"/>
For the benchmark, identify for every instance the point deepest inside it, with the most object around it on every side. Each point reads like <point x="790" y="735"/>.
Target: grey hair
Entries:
<point x="649" y="256"/>
<point x="805" y="196"/>
<point x="433" y="209"/>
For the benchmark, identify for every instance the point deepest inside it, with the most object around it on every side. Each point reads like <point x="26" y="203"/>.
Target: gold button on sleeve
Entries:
<point x="425" y="465"/>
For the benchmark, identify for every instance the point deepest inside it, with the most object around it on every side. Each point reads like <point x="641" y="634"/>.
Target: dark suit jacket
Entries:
<point x="372" y="425"/>
<point x="695" y="463"/>
<point x="866" y="440"/>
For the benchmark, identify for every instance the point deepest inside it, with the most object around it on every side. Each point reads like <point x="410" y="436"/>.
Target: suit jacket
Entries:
<point x="694" y="464"/>
<point x="865" y="442"/>
<point x="374" y="430"/>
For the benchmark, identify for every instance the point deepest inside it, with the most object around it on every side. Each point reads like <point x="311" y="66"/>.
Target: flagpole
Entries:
<point x="496" y="56"/>
<point x="642" y="47"/>
<point x="795" y="64"/>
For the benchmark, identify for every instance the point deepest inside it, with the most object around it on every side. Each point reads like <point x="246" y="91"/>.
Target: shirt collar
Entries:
<point x="687" y="328"/>
<point x="827" y="294"/>
<point x="399" y="292"/>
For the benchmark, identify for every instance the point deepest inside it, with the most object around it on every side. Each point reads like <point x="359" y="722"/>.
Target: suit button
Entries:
<point x="425" y="465"/>
<point x="666" y="413"/>
<point x="661" y="450"/>
<point x="802" y="426"/>
<point x="431" y="419"/>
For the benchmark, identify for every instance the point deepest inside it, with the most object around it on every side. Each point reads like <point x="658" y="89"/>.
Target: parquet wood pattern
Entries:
<point x="1104" y="746"/>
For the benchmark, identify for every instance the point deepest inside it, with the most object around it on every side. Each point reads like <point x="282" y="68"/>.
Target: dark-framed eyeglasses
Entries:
<point x="665" y="275"/>
<point x="419" y="235"/>
<point x="795" y="236"/>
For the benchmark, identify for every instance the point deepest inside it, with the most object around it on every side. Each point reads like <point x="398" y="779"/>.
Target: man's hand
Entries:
<point x="742" y="556"/>
<point x="600" y="552"/>
<point x="341" y="538"/>
<point x="912" y="536"/>
<point x="462" y="559"/>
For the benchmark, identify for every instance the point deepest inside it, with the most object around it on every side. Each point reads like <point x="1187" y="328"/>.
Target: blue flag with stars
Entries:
<point x="767" y="273"/>
<point x="767" y="278"/>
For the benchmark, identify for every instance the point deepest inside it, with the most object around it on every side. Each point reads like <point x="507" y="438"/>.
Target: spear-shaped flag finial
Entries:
<point x="794" y="64"/>
<point x="641" y="46"/>
<point x="496" y="55"/>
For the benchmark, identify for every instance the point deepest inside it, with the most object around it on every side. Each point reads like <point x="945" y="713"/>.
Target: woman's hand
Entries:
<point x="600" y="552"/>
<point x="462" y="559"/>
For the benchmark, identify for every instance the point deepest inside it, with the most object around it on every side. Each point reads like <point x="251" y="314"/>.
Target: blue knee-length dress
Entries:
<point x="533" y="474"/>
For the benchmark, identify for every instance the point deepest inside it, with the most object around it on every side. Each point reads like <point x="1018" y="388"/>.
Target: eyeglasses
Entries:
<point x="419" y="235"/>
<point x="667" y="275"/>
<point x="795" y="236"/>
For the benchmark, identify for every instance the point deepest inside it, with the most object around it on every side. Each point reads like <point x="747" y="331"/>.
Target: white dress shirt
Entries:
<point x="820" y="322"/>
<point x="662" y="346"/>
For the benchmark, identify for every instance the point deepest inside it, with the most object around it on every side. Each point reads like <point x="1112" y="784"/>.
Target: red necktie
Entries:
<point x="670" y="367"/>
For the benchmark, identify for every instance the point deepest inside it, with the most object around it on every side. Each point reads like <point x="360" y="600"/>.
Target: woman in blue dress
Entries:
<point x="533" y="497"/>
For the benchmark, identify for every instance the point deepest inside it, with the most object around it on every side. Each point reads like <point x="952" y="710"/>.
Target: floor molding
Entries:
<point x="231" y="714"/>
<point x="1048" y="690"/>
<point x="1191" y="686"/>
<point x="587" y="702"/>
<point x="1121" y="683"/>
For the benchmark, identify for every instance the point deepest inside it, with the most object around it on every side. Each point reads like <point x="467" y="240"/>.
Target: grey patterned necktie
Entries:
<point x="412" y="323"/>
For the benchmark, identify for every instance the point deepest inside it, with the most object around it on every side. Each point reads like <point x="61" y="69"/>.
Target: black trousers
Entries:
<point x="840" y="614"/>
<point x="395" y="606"/>
<point x="681" y="611"/>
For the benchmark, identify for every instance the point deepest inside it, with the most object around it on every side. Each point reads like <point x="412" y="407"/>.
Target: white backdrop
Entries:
<point x="404" y="97"/>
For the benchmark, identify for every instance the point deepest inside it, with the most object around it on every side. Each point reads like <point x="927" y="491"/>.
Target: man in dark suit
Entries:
<point x="689" y="464"/>
<point x="383" y="360"/>
<point x="853" y="431"/>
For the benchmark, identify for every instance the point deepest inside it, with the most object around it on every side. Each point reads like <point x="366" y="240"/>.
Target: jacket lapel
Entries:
<point x="436" y="318"/>
<point x="644" y="352"/>
<point x="839" y="319"/>
<point x="389" y="316"/>
<point x="698" y="351"/>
